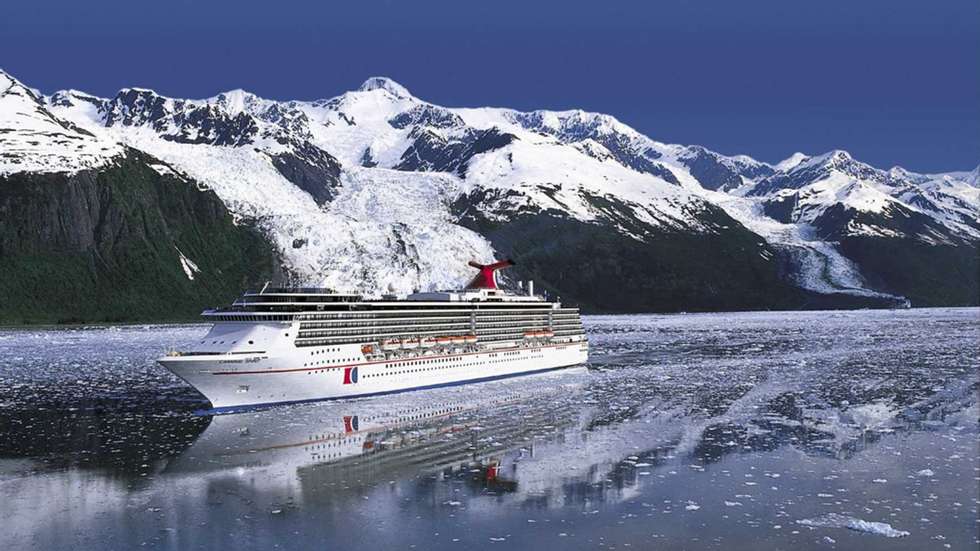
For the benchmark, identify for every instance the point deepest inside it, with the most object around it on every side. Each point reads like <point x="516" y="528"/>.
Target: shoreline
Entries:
<point x="96" y="324"/>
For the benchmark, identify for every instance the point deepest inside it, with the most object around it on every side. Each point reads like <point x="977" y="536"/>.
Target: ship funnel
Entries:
<point x="487" y="278"/>
<point x="530" y="288"/>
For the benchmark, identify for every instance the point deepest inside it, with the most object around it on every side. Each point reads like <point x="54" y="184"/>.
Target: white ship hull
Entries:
<point x="232" y="381"/>
<point x="296" y="344"/>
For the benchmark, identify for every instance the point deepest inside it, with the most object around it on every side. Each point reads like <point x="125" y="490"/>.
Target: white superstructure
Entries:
<point x="297" y="344"/>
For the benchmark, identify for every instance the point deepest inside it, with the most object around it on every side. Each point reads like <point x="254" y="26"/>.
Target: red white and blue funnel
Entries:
<point x="487" y="278"/>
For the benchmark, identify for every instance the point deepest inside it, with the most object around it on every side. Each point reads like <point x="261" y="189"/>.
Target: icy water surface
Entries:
<point x="820" y="430"/>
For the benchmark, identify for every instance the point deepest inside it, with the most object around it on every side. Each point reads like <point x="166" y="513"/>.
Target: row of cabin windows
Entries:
<point x="315" y="339"/>
<point x="483" y="339"/>
<point x="328" y="361"/>
<point x="414" y="311"/>
<point x="311" y="311"/>
<point x="435" y="320"/>
<point x="431" y="313"/>
<point x="465" y="364"/>
<point x="535" y="354"/>
<point x="432" y="329"/>
<point x="231" y="314"/>
<point x="332" y="306"/>
<point x="237" y="317"/>
<point x="325" y="362"/>
<point x="459" y="329"/>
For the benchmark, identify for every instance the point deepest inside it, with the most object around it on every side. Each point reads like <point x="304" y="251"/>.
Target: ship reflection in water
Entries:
<point x="334" y="451"/>
<point x="806" y="430"/>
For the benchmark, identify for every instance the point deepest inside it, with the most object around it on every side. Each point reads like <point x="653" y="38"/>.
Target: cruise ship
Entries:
<point x="285" y="345"/>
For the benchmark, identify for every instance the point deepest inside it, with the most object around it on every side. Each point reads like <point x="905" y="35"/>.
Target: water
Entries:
<point x="826" y="430"/>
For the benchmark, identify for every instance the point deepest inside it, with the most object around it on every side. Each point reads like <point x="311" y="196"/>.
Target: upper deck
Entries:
<point x="292" y="303"/>
<point x="295" y="300"/>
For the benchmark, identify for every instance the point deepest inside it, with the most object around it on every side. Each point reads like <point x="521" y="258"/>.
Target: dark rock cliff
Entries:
<point x="107" y="245"/>
<point x="602" y="269"/>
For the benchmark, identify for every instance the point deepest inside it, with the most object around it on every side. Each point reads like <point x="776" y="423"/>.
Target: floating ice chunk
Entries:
<point x="925" y="472"/>
<point x="871" y="416"/>
<point x="836" y="520"/>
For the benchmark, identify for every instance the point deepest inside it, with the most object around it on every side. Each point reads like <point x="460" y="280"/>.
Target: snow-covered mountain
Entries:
<point x="808" y="189"/>
<point x="34" y="140"/>
<point x="376" y="189"/>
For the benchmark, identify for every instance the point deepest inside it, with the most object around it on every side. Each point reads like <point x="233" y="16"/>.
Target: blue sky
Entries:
<point x="892" y="81"/>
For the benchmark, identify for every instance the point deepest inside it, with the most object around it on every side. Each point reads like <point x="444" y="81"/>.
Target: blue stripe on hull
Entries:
<point x="252" y="407"/>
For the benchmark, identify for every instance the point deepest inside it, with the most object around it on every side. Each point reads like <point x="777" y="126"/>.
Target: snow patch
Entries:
<point x="189" y="267"/>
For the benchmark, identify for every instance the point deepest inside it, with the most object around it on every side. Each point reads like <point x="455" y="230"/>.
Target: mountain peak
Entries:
<point x="8" y="81"/>
<point x="13" y="88"/>
<point x="791" y="161"/>
<point x="973" y="177"/>
<point x="834" y="159"/>
<point x="386" y="84"/>
<point x="235" y="101"/>
<point x="136" y="90"/>
<point x="838" y="155"/>
<point x="898" y="172"/>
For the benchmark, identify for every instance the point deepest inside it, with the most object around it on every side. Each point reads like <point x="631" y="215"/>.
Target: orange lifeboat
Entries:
<point x="409" y="344"/>
<point x="390" y="344"/>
